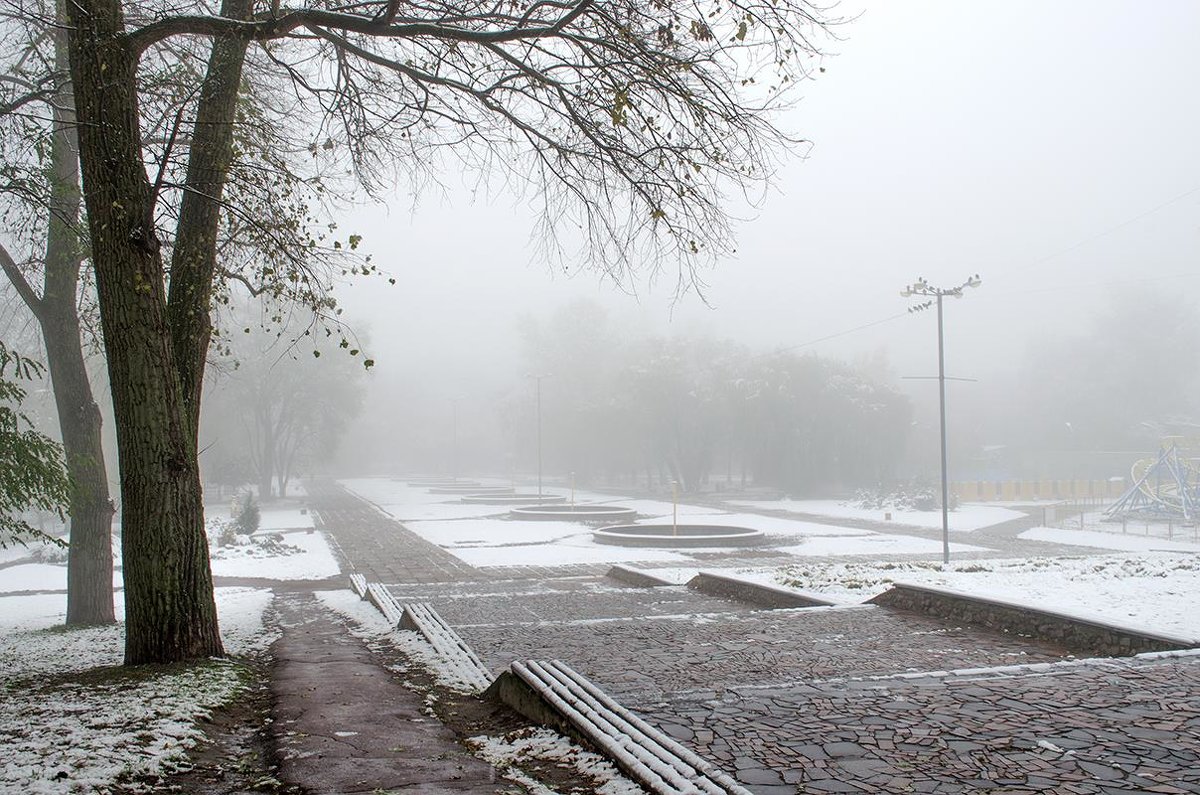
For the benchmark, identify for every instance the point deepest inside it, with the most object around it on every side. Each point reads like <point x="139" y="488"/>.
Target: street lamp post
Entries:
<point x="454" y="443"/>
<point x="936" y="294"/>
<point x="539" y="378"/>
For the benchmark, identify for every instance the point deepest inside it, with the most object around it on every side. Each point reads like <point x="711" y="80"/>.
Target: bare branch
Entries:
<point x="19" y="282"/>
<point x="268" y="26"/>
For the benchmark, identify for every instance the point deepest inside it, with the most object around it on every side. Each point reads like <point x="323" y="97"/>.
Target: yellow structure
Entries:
<point x="1030" y="490"/>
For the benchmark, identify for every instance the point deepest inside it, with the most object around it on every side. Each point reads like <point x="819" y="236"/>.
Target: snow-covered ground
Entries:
<point x="486" y="538"/>
<point x="39" y="577"/>
<point x="301" y="555"/>
<point x="1096" y="522"/>
<point x="967" y="517"/>
<point x="1151" y="591"/>
<point x="1125" y="542"/>
<point x="877" y="544"/>
<point x="271" y="517"/>
<point x="73" y="721"/>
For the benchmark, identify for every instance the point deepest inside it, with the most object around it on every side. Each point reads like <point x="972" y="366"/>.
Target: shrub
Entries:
<point x="248" y="517"/>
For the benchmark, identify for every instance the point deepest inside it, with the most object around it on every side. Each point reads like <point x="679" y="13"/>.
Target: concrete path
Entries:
<point x="344" y="724"/>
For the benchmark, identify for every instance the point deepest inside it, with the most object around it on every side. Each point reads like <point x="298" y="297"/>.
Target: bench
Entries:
<point x="422" y="618"/>
<point x="386" y="604"/>
<point x="553" y="694"/>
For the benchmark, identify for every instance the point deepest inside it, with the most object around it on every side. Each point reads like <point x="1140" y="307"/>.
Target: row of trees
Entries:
<point x="696" y="410"/>
<point x="205" y="139"/>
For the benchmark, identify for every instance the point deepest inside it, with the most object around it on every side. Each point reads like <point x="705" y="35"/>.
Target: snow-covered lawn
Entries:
<point x="301" y="555"/>
<point x="878" y="544"/>
<point x="1096" y="522"/>
<point x="71" y="721"/>
<point x="1151" y="591"/>
<point x="968" y="517"/>
<point x="1109" y="540"/>
<point x="282" y="517"/>
<point x="39" y="577"/>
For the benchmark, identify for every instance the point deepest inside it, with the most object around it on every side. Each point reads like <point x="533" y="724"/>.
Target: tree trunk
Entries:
<point x="194" y="260"/>
<point x="90" y="561"/>
<point x="169" y="609"/>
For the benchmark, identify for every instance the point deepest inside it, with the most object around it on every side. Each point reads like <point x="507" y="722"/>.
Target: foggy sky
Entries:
<point x="1046" y="146"/>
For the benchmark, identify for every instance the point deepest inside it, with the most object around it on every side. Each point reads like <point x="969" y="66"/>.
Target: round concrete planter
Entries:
<point x="684" y="535"/>
<point x="488" y="498"/>
<point x="578" y="513"/>
<point x="439" y="483"/>
<point x="460" y="488"/>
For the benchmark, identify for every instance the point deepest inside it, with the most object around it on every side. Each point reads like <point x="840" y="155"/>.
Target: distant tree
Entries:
<point x="685" y="409"/>
<point x="277" y="407"/>
<point x="33" y="474"/>
<point x="1120" y="383"/>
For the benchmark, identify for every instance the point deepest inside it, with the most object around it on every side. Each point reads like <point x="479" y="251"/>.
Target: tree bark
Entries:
<point x="169" y="608"/>
<point x="90" y="560"/>
<point x="194" y="260"/>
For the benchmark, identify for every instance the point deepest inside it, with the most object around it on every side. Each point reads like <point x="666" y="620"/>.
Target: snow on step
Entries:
<point x="386" y="604"/>
<point x="645" y="754"/>
<point x="422" y="618"/>
<point x="358" y="584"/>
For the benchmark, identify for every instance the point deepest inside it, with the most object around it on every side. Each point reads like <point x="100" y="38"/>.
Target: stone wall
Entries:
<point x="636" y="578"/>
<point x="1079" y="635"/>
<point x="753" y="592"/>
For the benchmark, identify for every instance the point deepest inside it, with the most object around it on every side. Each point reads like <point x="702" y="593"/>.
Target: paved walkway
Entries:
<point x="372" y="543"/>
<point x="1096" y="727"/>
<point x="820" y="700"/>
<point x="344" y="724"/>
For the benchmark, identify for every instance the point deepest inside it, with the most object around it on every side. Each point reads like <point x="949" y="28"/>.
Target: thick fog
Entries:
<point x="1049" y="148"/>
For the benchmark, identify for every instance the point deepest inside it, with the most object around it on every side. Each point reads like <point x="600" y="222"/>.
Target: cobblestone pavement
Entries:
<point x="562" y="599"/>
<point x="820" y="699"/>
<point x="1091" y="727"/>
<point x="647" y="659"/>
<point x="372" y="543"/>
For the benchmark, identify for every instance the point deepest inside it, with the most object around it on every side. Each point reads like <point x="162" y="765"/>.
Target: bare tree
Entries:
<point x="631" y="120"/>
<point x="49" y="181"/>
<point x="278" y="407"/>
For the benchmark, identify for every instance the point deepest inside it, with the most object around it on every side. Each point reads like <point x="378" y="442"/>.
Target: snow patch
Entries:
<point x="543" y="745"/>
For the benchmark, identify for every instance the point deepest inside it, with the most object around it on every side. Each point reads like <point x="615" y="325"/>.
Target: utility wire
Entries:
<point x="1035" y="263"/>
<point x="1110" y="230"/>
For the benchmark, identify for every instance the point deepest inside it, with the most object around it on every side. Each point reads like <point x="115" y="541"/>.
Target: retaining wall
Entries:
<point x="1077" y="634"/>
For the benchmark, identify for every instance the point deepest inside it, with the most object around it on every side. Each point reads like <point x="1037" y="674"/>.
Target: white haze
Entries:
<point x="1049" y="147"/>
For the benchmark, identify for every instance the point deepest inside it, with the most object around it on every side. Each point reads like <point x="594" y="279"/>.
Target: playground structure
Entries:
<point x="1166" y="487"/>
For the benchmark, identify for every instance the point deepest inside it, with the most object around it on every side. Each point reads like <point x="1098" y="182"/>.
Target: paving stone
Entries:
<point x="809" y="700"/>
